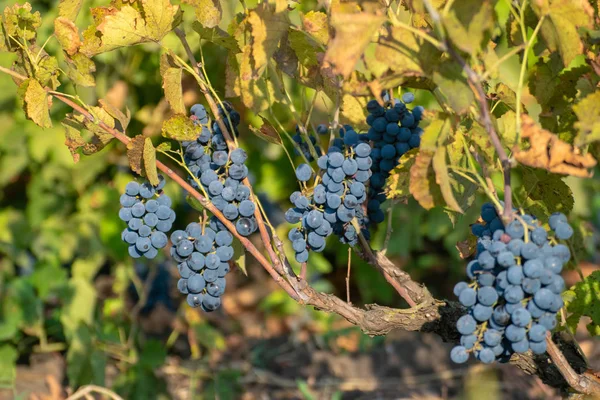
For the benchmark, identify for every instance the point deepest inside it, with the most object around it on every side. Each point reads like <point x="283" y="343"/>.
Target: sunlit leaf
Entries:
<point x="267" y="132"/>
<point x="150" y="162"/>
<point x="171" y="74"/>
<point x="468" y="23"/>
<point x="588" y="114"/>
<point x="545" y="150"/>
<point x="36" y="103"/>
<point x="181" y="128"/>
<point x="208" y="12"/>
<point x="135" y="153"/>
<point x="353" y="32"/>
<point x="67" y="34"/>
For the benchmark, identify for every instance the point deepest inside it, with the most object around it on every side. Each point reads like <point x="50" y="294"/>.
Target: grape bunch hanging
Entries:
<point x="394" y="130"/>
<point x="219" y="171"/>
<point x="514" y="293"/>
<point x="203" y="254"/>
<point x="335" y="199"/>
<point x="148" y="214"/>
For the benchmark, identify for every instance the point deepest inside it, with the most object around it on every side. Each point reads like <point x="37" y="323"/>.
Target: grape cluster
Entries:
<point x="394" y="130"/>
<point x="336" y="198"/>
<point x="221" y="172"/>
<point x="515" y="287"/>
<point x="203" y="254"/>
<point x="147" y="211"/>
<point x="304" y="147"/>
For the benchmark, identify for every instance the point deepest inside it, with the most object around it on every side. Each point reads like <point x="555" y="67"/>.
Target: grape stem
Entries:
<point x="232" y="146"/>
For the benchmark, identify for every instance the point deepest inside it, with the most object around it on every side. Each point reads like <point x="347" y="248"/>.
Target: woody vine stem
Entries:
<point x="426" y="313"/>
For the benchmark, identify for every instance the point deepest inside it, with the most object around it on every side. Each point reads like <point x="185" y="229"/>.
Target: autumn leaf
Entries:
<point x="171" y="74"/>
<point x="67" y="34"/>
<point x="352" y="33"/>
<point x="149" y="156"/>
<point x="127" y="26"/>
<point x="267" y="132"/>
<point x="135" y="153"/>
<point x="208" y="12"/>
<point x="180" y="127"/>
<point x="545" y="150"/>
<point x="36" y="103"/>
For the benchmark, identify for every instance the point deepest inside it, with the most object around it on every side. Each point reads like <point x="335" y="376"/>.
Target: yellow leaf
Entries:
<point x="69" y="9"/>
<point x="67" y="34"/>
<point x="468" y="23"/>
<point x="80" y="69"/>
<point x="73" y="139"/>
<point x="588" y="115"/>
<point x="36" y="103"/>
<point x="397" y="185"/>
<point x="208" y="12"/>
<point x="559" y="30"/>
<point x="150" y="162"/>
<point x="171" y="75"/>
<point x="354" y="111"/>
<point x="127" y="26"/>
<point x="315" y="23"/>
<point x="180" y="127"/>
<point x="267" y="27"/>
<point x="443" y="179"/>
<point x="353" y="32"/>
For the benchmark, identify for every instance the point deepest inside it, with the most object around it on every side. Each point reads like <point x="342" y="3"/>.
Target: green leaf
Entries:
<point x="453" y="87"/>
<point x="208" y="12"/>
<point x="150" y="162"/>
<point x="216" y="36"/>
<point x="584" y="301"/>
<point x="507" y="128"/>
<point x="559" y="30"/>
<point x="353" y="32"/>
<point x="80" y="70"/>
<point x="304" y="47"/>
<point x="468" y="24"/>
<point x="194" y="203"/>
<point x="8" y="367"/>
<point x="239" y="255"/>
<point x="80" y="307"/>
<point x="543" y="193"/>
<point x="36" y="103"/>
<point x="180" y="127"/>
<point x="588" y="114"/>
<point x="128" y="26"/>
<point x="153" y="354"/>
<point x="164" y="146"/>
<point x="400" y="51"/>
<point x="171" y="73"/>
<point x="85" y="364"/>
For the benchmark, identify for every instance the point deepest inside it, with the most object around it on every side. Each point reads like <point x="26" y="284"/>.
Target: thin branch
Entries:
<point x="89" y="389"/>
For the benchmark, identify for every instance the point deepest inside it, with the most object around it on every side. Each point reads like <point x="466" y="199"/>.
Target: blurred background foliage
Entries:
<point x="68" y="287"/>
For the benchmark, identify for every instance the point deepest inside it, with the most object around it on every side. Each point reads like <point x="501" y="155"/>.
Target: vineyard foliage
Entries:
<point x="528" y="70"/>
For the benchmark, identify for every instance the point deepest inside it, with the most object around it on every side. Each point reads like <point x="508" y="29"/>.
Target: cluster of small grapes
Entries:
<point x="515" y="287"/>
<point x="335" y="200"/>
<point x="220" y="172"/>
<point x="304" y="147"/>
<point x="394" y="131"/>
<point x="203" y="254"/>
<point x="148" y="219"/>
